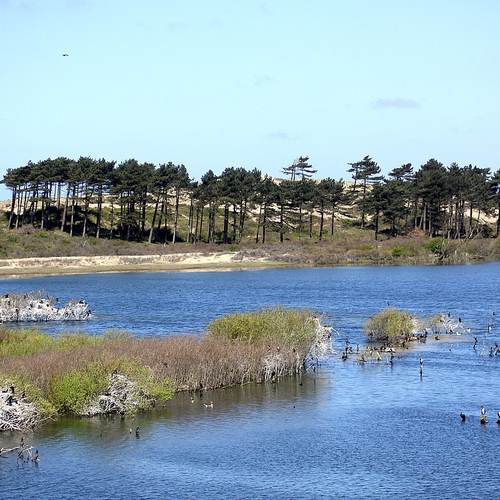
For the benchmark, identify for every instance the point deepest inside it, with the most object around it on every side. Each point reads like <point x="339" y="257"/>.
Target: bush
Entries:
<point x="391" y="325"/>
<point x="290" y="327"/>
<point x="397" y="251"/>
<point x="70" y="392"/>
<point x="434" y="245"/>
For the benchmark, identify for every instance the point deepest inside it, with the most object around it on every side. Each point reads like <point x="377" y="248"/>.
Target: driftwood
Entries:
<point x="122" y="396"/>
<point x="37" y="306"/>
<point x="25" y="453"/>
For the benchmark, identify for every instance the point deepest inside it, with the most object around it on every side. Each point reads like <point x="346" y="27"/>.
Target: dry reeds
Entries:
<point x="72" y="373"/>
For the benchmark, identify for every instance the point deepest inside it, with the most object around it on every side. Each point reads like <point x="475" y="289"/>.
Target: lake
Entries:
<point x="347" y="431"/>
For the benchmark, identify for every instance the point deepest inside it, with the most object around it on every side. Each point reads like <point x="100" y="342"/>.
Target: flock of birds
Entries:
<point x="37" y="307"/>
<point x="483" y="416"/>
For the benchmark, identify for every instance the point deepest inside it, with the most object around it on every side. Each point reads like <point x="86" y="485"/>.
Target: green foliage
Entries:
<point x="28" y="342"/>
<point x="70" y="392"/>
<point x="397" y="251"/>
<point x="290" y="327"/>
<point x="158" y="388"/>
<point x="434" y="245"/>
<point x="23" y="342"/>
<point x="391" y="325"/>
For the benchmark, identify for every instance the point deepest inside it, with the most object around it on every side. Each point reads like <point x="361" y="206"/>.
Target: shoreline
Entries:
<point x="181" y="262"/>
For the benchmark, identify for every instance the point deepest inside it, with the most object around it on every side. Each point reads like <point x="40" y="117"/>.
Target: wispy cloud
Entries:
<point x="396" y="102"/>
<point x="278" y="136"/>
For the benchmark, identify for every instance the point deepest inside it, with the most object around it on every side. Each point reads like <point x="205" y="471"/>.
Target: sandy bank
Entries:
<point x="195" y="261"/>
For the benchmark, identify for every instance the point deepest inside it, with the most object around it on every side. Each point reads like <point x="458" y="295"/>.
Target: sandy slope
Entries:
<point x="195" y="261"/>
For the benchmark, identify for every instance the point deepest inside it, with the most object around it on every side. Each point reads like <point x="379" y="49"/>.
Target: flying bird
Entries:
<point x="65" y="55"/>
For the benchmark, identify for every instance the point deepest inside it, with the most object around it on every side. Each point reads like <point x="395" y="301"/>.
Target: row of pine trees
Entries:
<point x="145" y="202"/>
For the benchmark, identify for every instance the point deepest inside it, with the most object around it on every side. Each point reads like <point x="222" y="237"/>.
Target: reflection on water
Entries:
<point x="347" y="431"/>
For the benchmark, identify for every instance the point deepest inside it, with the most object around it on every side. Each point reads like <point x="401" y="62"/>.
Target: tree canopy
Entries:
<point x="161" y="203"/>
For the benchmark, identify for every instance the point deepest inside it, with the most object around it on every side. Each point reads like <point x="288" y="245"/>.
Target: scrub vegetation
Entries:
<point x="119" y="373"/>
<point x="392" y="326"/>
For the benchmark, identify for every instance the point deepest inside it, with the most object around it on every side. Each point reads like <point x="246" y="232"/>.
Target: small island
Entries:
<point x="43" y="376"/>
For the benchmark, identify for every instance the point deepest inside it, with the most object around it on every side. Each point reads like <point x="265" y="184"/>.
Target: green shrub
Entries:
<point x="70" y="392"/>
<point x="23" y="342"/>
<point x="434" y="245"/>
<point x="397" y="251"/>
<point x="391" y="325"/>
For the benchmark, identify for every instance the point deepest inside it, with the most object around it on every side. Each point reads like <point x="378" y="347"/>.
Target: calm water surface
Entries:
<point x="344" y="432"/>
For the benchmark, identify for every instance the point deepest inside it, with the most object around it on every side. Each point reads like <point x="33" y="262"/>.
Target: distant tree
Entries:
<point x="132" y="182"/>
<point x="368" y="172"/>
<point x="265" y="198"/>
<point x="303" y="169"/>
<point x="181" y="183"/>
<point x="399" y="196"/>
<point x="431" y="191"/>
<point x="300" y="168"/>
<point x="495" y="197"/>
<point x="209" y="193"/>
<point x="331" y="195"/>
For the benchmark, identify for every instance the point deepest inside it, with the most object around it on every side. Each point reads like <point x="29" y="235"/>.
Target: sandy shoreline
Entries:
<point x="195" y="261"/>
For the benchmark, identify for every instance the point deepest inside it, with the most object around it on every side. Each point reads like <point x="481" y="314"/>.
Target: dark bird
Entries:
<point x="462" y="416"/>
<point x="65" y="55"/>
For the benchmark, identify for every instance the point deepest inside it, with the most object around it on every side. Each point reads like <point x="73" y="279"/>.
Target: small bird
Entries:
<point x="65" y="55"/>
<point x="462" y="416"/>
<point x="209" y="405"/>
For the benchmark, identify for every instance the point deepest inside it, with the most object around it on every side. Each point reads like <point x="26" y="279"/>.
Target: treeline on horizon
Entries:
<point x="161" y="204"/>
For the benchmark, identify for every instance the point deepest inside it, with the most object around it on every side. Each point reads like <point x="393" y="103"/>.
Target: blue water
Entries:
<point x="344" y="432"/>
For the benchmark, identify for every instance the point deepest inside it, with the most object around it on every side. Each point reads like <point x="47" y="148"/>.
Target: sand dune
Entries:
<point x="195" y="261"/>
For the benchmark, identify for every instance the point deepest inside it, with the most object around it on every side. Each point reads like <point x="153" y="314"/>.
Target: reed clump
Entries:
<point x="118" y="373"/>
<point x="392" y="325"/>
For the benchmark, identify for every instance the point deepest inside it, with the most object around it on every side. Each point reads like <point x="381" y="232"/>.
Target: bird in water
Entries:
<point x="209" y="405"/>
<point x="462" y="416"/>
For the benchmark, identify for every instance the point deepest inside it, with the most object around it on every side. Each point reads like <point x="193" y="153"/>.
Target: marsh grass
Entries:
<point x="291" y="327"/>
<point x="63" y="374"/>
<point x="392" y="325"/>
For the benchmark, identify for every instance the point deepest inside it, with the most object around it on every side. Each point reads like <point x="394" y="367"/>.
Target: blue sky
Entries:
<point x="214" y="84"/>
